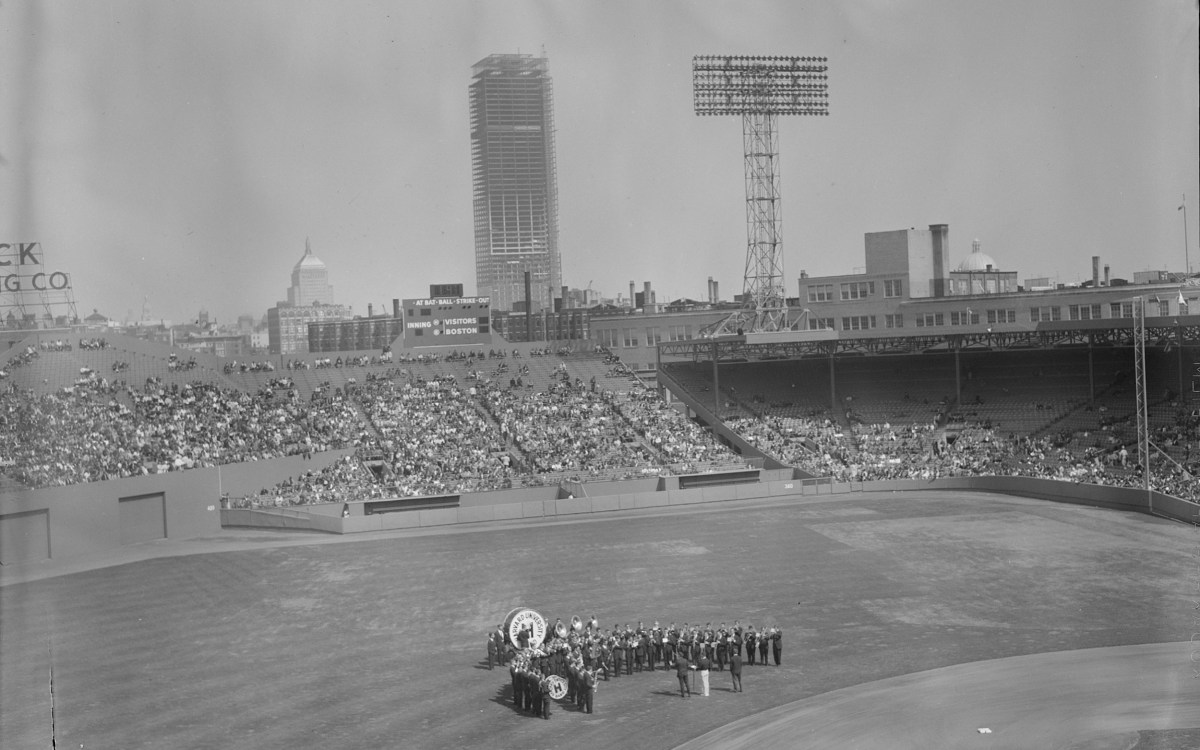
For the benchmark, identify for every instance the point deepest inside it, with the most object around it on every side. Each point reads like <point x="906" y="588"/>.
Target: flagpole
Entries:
<point x="1186" y="256"/>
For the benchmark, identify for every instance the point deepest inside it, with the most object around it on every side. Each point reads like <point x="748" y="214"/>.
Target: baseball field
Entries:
<point x="909" y="620"/>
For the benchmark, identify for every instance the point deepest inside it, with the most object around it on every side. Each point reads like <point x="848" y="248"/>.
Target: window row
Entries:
<point x="854" y="290"/>
<point x="631" y="338"/>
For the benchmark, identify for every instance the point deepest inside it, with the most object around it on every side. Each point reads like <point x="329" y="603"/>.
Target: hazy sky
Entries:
<point x="184" y="151"/>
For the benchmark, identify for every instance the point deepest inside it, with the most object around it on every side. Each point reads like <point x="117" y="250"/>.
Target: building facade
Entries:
<point x="358" y="334"/>
<point x="515" y="187"/>
<point x="287" y="326"/>
<point x="310" y="281"/>
<point x="909" y="288"/>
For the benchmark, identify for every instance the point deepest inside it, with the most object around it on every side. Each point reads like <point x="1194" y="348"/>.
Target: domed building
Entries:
<point x="980" y="274"/>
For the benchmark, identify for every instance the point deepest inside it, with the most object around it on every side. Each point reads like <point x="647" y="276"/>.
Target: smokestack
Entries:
<point x="1095" y="271"/>
<point x="941" y="257"/>
<point x="647" y="297"/>
<point x="370" y="310"/>
<point x="710" y="294"/>
<point x="564" y="297"/>
<point x="1106" y="275"/>
<point x="395" y="307"/>
<point x="632" y="295"/>
<point x="716" y="291"/>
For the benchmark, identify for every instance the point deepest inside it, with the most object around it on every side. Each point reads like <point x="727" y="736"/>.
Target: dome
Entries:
<point x="978" y="260"/>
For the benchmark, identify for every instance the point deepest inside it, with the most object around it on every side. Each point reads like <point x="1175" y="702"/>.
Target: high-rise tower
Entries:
<point x="515" y="193"/>
<point x="310" y="281"/>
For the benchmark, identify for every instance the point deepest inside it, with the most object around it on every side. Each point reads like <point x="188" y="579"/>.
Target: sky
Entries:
<point x="176" y="156"/>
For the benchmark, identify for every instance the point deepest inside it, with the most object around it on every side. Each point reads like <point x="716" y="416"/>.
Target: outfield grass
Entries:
<point x="380" y="642"/>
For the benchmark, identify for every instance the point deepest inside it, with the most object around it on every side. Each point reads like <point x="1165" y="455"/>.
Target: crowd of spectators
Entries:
<point x="96" y="430"/>
<point x="433" y="438"/>
<point x="345" y="480"/>
<point x="496" y="430"/>
<point x="175" y="364"/>
<point x="26" y="357"/>
<point x="260" y="366"/>
<point x="866" y="452"/>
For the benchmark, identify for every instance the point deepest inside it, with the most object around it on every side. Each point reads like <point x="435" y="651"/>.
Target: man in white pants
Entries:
<point x="702" y="666"/>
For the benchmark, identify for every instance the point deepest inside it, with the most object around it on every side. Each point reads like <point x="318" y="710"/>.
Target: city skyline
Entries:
<point x="185" y="152"/>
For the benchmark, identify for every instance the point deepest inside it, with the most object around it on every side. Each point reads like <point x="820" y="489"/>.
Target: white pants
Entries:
<point x="704" y="680"/>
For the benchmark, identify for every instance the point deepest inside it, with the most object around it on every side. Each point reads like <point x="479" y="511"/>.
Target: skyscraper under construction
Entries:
<point x="515" y="193"/>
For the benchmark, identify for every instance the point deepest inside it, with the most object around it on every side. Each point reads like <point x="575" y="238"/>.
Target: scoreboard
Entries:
<point x="447" y="321"/>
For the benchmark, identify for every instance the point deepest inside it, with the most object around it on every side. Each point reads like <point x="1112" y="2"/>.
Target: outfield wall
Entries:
<point x="542" y="502"/>
<point x="83" y="519"/>
<point x="64" y="522"/>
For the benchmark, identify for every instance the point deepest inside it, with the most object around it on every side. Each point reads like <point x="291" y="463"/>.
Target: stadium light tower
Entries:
<point x="759" y="89"/>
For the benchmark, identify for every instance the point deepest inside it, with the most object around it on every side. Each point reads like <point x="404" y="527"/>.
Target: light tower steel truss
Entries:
<point x="759" y="89"/>
<point x="1139" y="384"/>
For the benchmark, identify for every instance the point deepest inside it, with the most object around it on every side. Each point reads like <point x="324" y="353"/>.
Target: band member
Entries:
<point x="501" y="646"/>
<point x="751" y="638"/>
<point x="735" y="670"/>
<point x="544" y="687"/>
<point x="764" y="643"/>
<point x="656" y="640"/>
<point x="618" y="656"/>
<point x="777" y="644"/>
<point x="605" y="658"/>
<point x="722" y="649"/>
<point x="639" y="649"/>
<point x="535" y="692"/>
<point x="589" y="690"/>
<point x="491" y="651"/>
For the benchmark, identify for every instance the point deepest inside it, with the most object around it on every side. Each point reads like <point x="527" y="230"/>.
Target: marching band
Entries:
<point x="575" y="657"/>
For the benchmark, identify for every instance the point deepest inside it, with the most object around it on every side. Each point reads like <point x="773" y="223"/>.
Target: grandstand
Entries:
<point x="98" y="408"/>
<point x="471" y="420"/>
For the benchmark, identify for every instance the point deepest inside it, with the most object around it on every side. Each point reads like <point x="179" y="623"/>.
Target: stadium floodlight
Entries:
<point x="759" y="88"/>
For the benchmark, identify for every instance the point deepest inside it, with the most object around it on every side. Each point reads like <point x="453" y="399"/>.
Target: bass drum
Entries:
<point x="558" y="687"/>
<point x="523" y="618"/>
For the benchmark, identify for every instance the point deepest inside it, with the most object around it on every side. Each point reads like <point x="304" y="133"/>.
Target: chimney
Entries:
<point x="632" y="295"/>
<point x="710" y="294"/>
<point x="1106" y="275"/>
<point x="395" y="307"/>
<point x="370" y="310"/>
<point x="941" y="257"/>
<point x="564" y="297"/>
<point x="1095" y="271"/>
<point x="647" y="297"/>
<point x="716" y="291"/>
